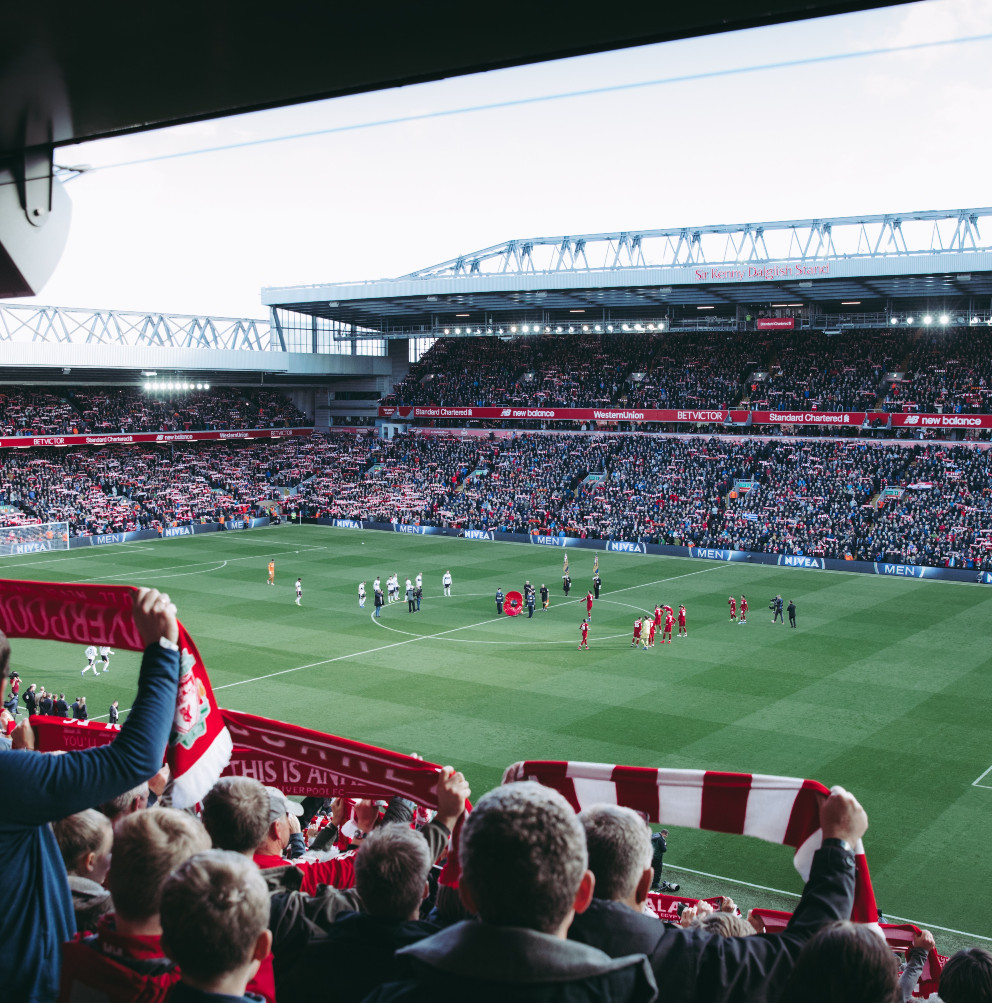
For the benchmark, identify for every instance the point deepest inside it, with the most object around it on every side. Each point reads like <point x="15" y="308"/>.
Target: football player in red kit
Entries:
<point x="682" y="629"/>
<point x="589" y="605"/>
<point x="584" y="643"/>
<point x="657" y="616"/>
<point x="651" y="629"/>
<point x="669" y="623"/>
<point x="743" y="618"/>
<point x="733" y="608"/>
<point x="637" y="633"/>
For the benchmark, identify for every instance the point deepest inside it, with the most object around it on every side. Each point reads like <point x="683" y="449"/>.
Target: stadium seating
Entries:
<point x="910" y="504"/>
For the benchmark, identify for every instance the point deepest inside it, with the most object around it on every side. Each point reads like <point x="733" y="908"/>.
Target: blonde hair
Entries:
<point x="148" y="847"/>
<point x="79" y="834"/>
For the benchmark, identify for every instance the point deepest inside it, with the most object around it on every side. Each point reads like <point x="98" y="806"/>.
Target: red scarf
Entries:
<point x="776" y="809"/>
<point x="199" y="744"/>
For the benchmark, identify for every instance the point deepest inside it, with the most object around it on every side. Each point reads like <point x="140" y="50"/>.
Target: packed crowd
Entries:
<point x="945" y="369"/>
<point x="112" y="894"/>
<point x="925" y="504"/>
<point x="82" y="410"/>
<point x="930" y="503"/>
<point x="949" y="371"/>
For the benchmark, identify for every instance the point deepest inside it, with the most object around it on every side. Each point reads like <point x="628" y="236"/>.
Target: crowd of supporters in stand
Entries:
<point x="948" y="371"/>
<point x="80" y="410"/>
<point x="929" y="503"/>
<point x="943" y="369"/>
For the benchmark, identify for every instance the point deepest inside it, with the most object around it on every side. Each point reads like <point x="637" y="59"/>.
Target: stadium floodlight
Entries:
<point x="206" y="386"/>
<point x="974" y="320"/>
<point x="585" y="328"/>
<point x="909" y="320"/>
<point x="447" y="330"/>
<point x="489" y="330"/>
<point x="609" y="327"/>
<point x="944" y="319"/>
<point x="558" y="329"/>
<point x="928" y="319"/>
<point x="571" y="330"/>
<point x="513" y="329"/>
<point x="599" y="329"/>
<point x="661" y="326"/>
<point x="895" y="320"/>
<point x="458" y="330"/>
<point x="624" y="327"/>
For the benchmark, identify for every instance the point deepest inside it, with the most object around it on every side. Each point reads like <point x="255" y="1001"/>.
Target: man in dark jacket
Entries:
<point x="357" y="951"/>
<point x="523" y="872"/>
<point x="693" y="965"/>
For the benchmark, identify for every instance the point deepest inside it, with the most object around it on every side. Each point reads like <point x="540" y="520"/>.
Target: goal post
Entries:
<point x="33" y="538"/>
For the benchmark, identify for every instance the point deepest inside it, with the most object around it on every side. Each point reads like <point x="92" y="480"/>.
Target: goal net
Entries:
<point x="32" y="538"/>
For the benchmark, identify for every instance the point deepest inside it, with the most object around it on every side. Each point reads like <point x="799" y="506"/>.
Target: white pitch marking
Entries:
<point x="975" y="783"/>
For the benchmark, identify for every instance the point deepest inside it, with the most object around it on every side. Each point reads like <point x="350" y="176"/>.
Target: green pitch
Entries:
<point x="883" y="688"/>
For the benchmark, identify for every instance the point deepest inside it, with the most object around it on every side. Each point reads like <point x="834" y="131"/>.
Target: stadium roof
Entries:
<point x="912" y="257"/>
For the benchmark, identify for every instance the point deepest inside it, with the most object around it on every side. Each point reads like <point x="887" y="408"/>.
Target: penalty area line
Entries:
<point x="978" y="782"/>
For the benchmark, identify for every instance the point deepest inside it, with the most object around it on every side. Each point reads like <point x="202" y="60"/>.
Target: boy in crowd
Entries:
<point x="215" y="926"/>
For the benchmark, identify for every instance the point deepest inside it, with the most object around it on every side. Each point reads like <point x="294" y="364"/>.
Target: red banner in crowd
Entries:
<point x="299" y="761"/>
<point x="776" y="323"/>
<point x="694" y="416"/>
<point x="128" y="438"/>
<point x="199" y="744"/>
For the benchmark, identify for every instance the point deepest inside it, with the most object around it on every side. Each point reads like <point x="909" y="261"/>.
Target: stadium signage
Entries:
<point x="401" y="527"/>
<point x="22" y="441"/>
<point x="479" y="534"/>
<point x="776" y="324"/>
<point x="714" y="415"/>
<point x="758" y="273"/>
<point x="548" y="541"/>
<point x="348" y="523"/>
<point x="626" y="547"/>
<point x="798" y="561"/>
<point x="105" y="538"/>
<point x="901" y="570"/>
<point x="177" y="531"/>
<point x="709" y="554"/>
<point x="30" y="548"/>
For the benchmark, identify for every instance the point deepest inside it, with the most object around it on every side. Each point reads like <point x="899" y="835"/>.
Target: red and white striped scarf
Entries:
<point x="777" y="809"/>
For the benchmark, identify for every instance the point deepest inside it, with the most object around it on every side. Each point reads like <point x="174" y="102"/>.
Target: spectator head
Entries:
<point x="236" y="814"/>
<point x="844" y="961"/>
<point x="148" y="847"/>
<point x="215" y="917"/>
<point x="619" y="846"/>
<point x="391" y="872"/>
<point x="130" y="801"/>
<point x="967" y="977"/>
<point x="85" y="841"/>
<point x="523" y="859"/>
<point x="278" y="831"/>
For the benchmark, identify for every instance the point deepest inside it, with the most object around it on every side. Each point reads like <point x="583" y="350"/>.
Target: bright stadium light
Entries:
<point x="928" y="319"/>
<point x="513" y="329"/>
<point x="661" y="326"/>
<point x="447" y="330"/>
<point x="571" y="330"/>
<point x="895" y="320"/>
<point x="944" y="319"/>
<point x="585" y="328"/>
<point x="458" y="330"/>
<point x="206" y="386"/>
<point x="558" y="329"/>
<point x="624" y="327"/>
<point x="609" y="327"/>
<point x="599" y="329"/>
<point x="974" y="320"/>
<point x="909" y="320"/>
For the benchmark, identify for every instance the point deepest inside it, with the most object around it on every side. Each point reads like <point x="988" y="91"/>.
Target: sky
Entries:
<point x="202" y="234"/>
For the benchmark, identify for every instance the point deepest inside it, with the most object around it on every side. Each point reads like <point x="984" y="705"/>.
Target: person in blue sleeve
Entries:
<point x="36" y="789"/>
